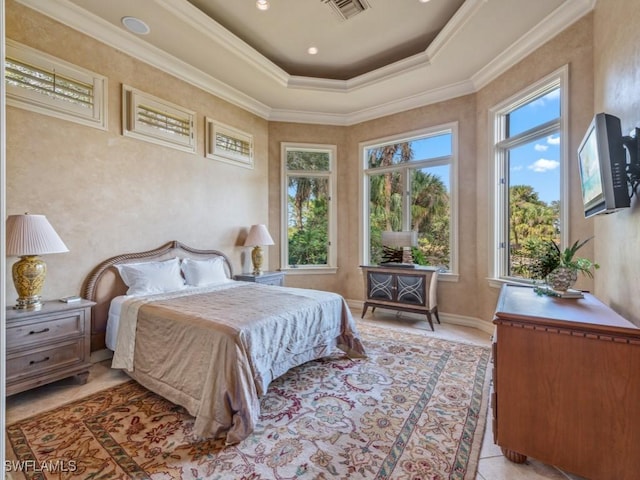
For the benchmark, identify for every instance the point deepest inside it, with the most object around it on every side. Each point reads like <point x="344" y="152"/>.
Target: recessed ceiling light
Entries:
<point x="312" y="50"/>
<point x="423" y="1"/>
<point x="262" y="5"/>
<point x="135" y="25"/>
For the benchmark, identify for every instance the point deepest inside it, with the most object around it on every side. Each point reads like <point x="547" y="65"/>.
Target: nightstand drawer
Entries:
<point x="62" y="326"/>
<point x="38" y="360"/>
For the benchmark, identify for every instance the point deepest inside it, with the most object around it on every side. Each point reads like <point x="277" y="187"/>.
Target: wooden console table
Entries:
<point x="566" y="383"/>
<point x="403" y="289"/>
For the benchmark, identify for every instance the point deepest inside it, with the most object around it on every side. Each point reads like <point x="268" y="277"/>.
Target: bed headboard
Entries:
<point x="104" y="282"/>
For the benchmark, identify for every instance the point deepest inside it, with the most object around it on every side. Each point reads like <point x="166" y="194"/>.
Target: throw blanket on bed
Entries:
<point x="216" y="351"/>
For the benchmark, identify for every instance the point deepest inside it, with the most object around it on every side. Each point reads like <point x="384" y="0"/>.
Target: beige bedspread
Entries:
<point x="216" y="351"/>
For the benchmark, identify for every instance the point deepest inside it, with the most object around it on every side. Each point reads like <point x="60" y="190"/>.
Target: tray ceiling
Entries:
<point x="392" y="56"/>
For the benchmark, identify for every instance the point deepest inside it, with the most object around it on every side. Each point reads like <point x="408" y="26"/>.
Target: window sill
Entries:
<point x="309" y="270"/>
<point x="499" y="282"/>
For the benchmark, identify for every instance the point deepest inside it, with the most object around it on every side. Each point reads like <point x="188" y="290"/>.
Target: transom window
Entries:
<point x="48" y="85"/>
<point x="530" y="159"/>
<point x="308" y="206"/>
<point x="409" y="184"/>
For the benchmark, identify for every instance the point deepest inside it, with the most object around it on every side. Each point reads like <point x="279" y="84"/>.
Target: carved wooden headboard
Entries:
<point x="104" y="282"/>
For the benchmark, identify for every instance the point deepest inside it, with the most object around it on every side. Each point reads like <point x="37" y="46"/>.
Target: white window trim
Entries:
<point x="215" y="153"/>
<point x="560" y="78"/>
<point x="453" y="274"/>
<point x="132" y="97"/>
<point x="46" y="105"/>
<point x="332" y="266"/>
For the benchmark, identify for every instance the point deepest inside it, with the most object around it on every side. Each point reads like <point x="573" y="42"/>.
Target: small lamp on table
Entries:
<point x="258" y="236"/>
<point x="29" y="236"/>
<point x="401" y="240"/>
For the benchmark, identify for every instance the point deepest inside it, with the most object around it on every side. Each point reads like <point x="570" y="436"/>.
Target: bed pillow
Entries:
<point x="152" y="277"/>
<point x="199" y="273"/>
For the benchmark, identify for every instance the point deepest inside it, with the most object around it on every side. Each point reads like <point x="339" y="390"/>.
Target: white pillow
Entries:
<point x="151" y="277"/>
<point x="199" y="273"/>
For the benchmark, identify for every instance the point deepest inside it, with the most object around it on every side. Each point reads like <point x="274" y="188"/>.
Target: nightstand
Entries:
<point x="267" y="278"/>
<point x="47" y="344"/>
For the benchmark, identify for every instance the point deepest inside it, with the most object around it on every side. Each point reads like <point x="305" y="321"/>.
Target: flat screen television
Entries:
<point x="602" y="158"/>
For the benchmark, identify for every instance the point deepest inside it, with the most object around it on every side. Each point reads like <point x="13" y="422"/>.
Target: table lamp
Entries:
<point x="27" y="237"/>
<point x="404" y="240"/>
<point x="258" y="236"/>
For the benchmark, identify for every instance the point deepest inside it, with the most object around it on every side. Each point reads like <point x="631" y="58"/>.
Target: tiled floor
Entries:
<point x="493" y="465"/>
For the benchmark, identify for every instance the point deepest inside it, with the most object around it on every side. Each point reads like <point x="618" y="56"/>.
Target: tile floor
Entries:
<point x="492" y="466"/>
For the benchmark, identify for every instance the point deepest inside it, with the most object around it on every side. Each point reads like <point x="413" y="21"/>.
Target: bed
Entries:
<point x="214" y="345"/>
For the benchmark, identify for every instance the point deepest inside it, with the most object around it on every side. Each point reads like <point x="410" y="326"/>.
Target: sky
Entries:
<point x="536" y="163"/>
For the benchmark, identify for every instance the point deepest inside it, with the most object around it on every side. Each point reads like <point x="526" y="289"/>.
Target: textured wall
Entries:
<point x="617" y="91"/>
<point x="572" y="47"/>
<point x="106" y="194"/>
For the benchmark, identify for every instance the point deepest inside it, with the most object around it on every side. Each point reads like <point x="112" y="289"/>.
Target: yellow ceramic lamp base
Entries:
<point x="256" y="259"/>
<point x="28" y="277"/>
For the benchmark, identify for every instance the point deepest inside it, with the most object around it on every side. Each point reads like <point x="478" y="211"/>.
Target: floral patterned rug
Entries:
<point x="414" y="409"/>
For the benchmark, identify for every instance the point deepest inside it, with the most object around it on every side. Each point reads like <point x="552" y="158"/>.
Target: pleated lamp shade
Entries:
<point x="32" y="235"/>
<point x="258" y="235"/>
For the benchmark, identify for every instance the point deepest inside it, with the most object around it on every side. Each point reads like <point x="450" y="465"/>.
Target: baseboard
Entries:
<point x="101" y="355"/>
<point x="473" y="322"/>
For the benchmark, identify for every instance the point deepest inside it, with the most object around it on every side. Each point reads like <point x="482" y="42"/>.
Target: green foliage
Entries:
<point x="309" y="240"/>
<point x="545" y="256"/>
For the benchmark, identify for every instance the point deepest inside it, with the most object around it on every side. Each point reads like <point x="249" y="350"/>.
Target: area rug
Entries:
<point x="415" y="408"/>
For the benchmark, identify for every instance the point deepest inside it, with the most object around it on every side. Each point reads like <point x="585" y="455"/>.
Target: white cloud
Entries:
<point x="541" y="148"/>
<point x="551" y="140"/>
<point x="543" y="165"/>
<point x="516" y="168"/>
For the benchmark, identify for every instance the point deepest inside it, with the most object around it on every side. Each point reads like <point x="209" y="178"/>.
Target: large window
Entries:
<point x="409" y="184"/>
<point x="309" y="240"/>
<point x="530" y="159"/>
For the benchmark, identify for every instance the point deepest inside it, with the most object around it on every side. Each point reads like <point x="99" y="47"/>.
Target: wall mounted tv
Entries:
<point x="603" y="163"/>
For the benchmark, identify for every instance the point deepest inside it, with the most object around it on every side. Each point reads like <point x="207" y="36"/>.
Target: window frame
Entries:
<point x="132" y="127"/>
<point x="213" y="128"/>
<point x="452" y="127"/>
<point x="331" y="175"/>
<point x="498" y="147"/>
<point x="33" y="100"/>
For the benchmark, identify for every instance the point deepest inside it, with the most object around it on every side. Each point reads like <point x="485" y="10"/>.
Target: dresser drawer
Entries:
<point x="40" y="331"/>
<point x="26" y="363"/>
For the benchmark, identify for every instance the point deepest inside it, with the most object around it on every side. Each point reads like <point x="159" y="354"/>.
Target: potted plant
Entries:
<point x="560" y="267"/>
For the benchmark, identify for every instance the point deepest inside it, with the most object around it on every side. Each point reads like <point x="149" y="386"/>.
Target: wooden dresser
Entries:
<point x="404" y="289"/>
<point x="566" y="383"/>
<point x="48" y="344"/>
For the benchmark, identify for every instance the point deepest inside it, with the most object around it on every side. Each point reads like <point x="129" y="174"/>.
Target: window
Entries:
<point x="530" y="164"/>
<point x="44" y="84"/>
<point x="409" y="184"/>
<point x="229" y="144"/>
<point x="154" y="120"/>
<point x="309" y="212"/>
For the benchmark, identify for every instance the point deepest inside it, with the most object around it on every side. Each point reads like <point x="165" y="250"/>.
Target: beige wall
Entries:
<point x="471" y="296"/>
<point x="617" y="91"/>
<point x="106" y="194"/>
<point x="573" y="47"/>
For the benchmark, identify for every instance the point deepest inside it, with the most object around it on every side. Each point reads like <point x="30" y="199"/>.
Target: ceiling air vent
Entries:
<point x="347" y="8"/>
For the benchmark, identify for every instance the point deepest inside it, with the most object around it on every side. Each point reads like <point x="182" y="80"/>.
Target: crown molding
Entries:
<point x="396" y="106"/>
<point x="468" y="9"/>
<point x="204" y="24"/>
<point x="85" y="22"/>
<point x="554" y="23"/>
